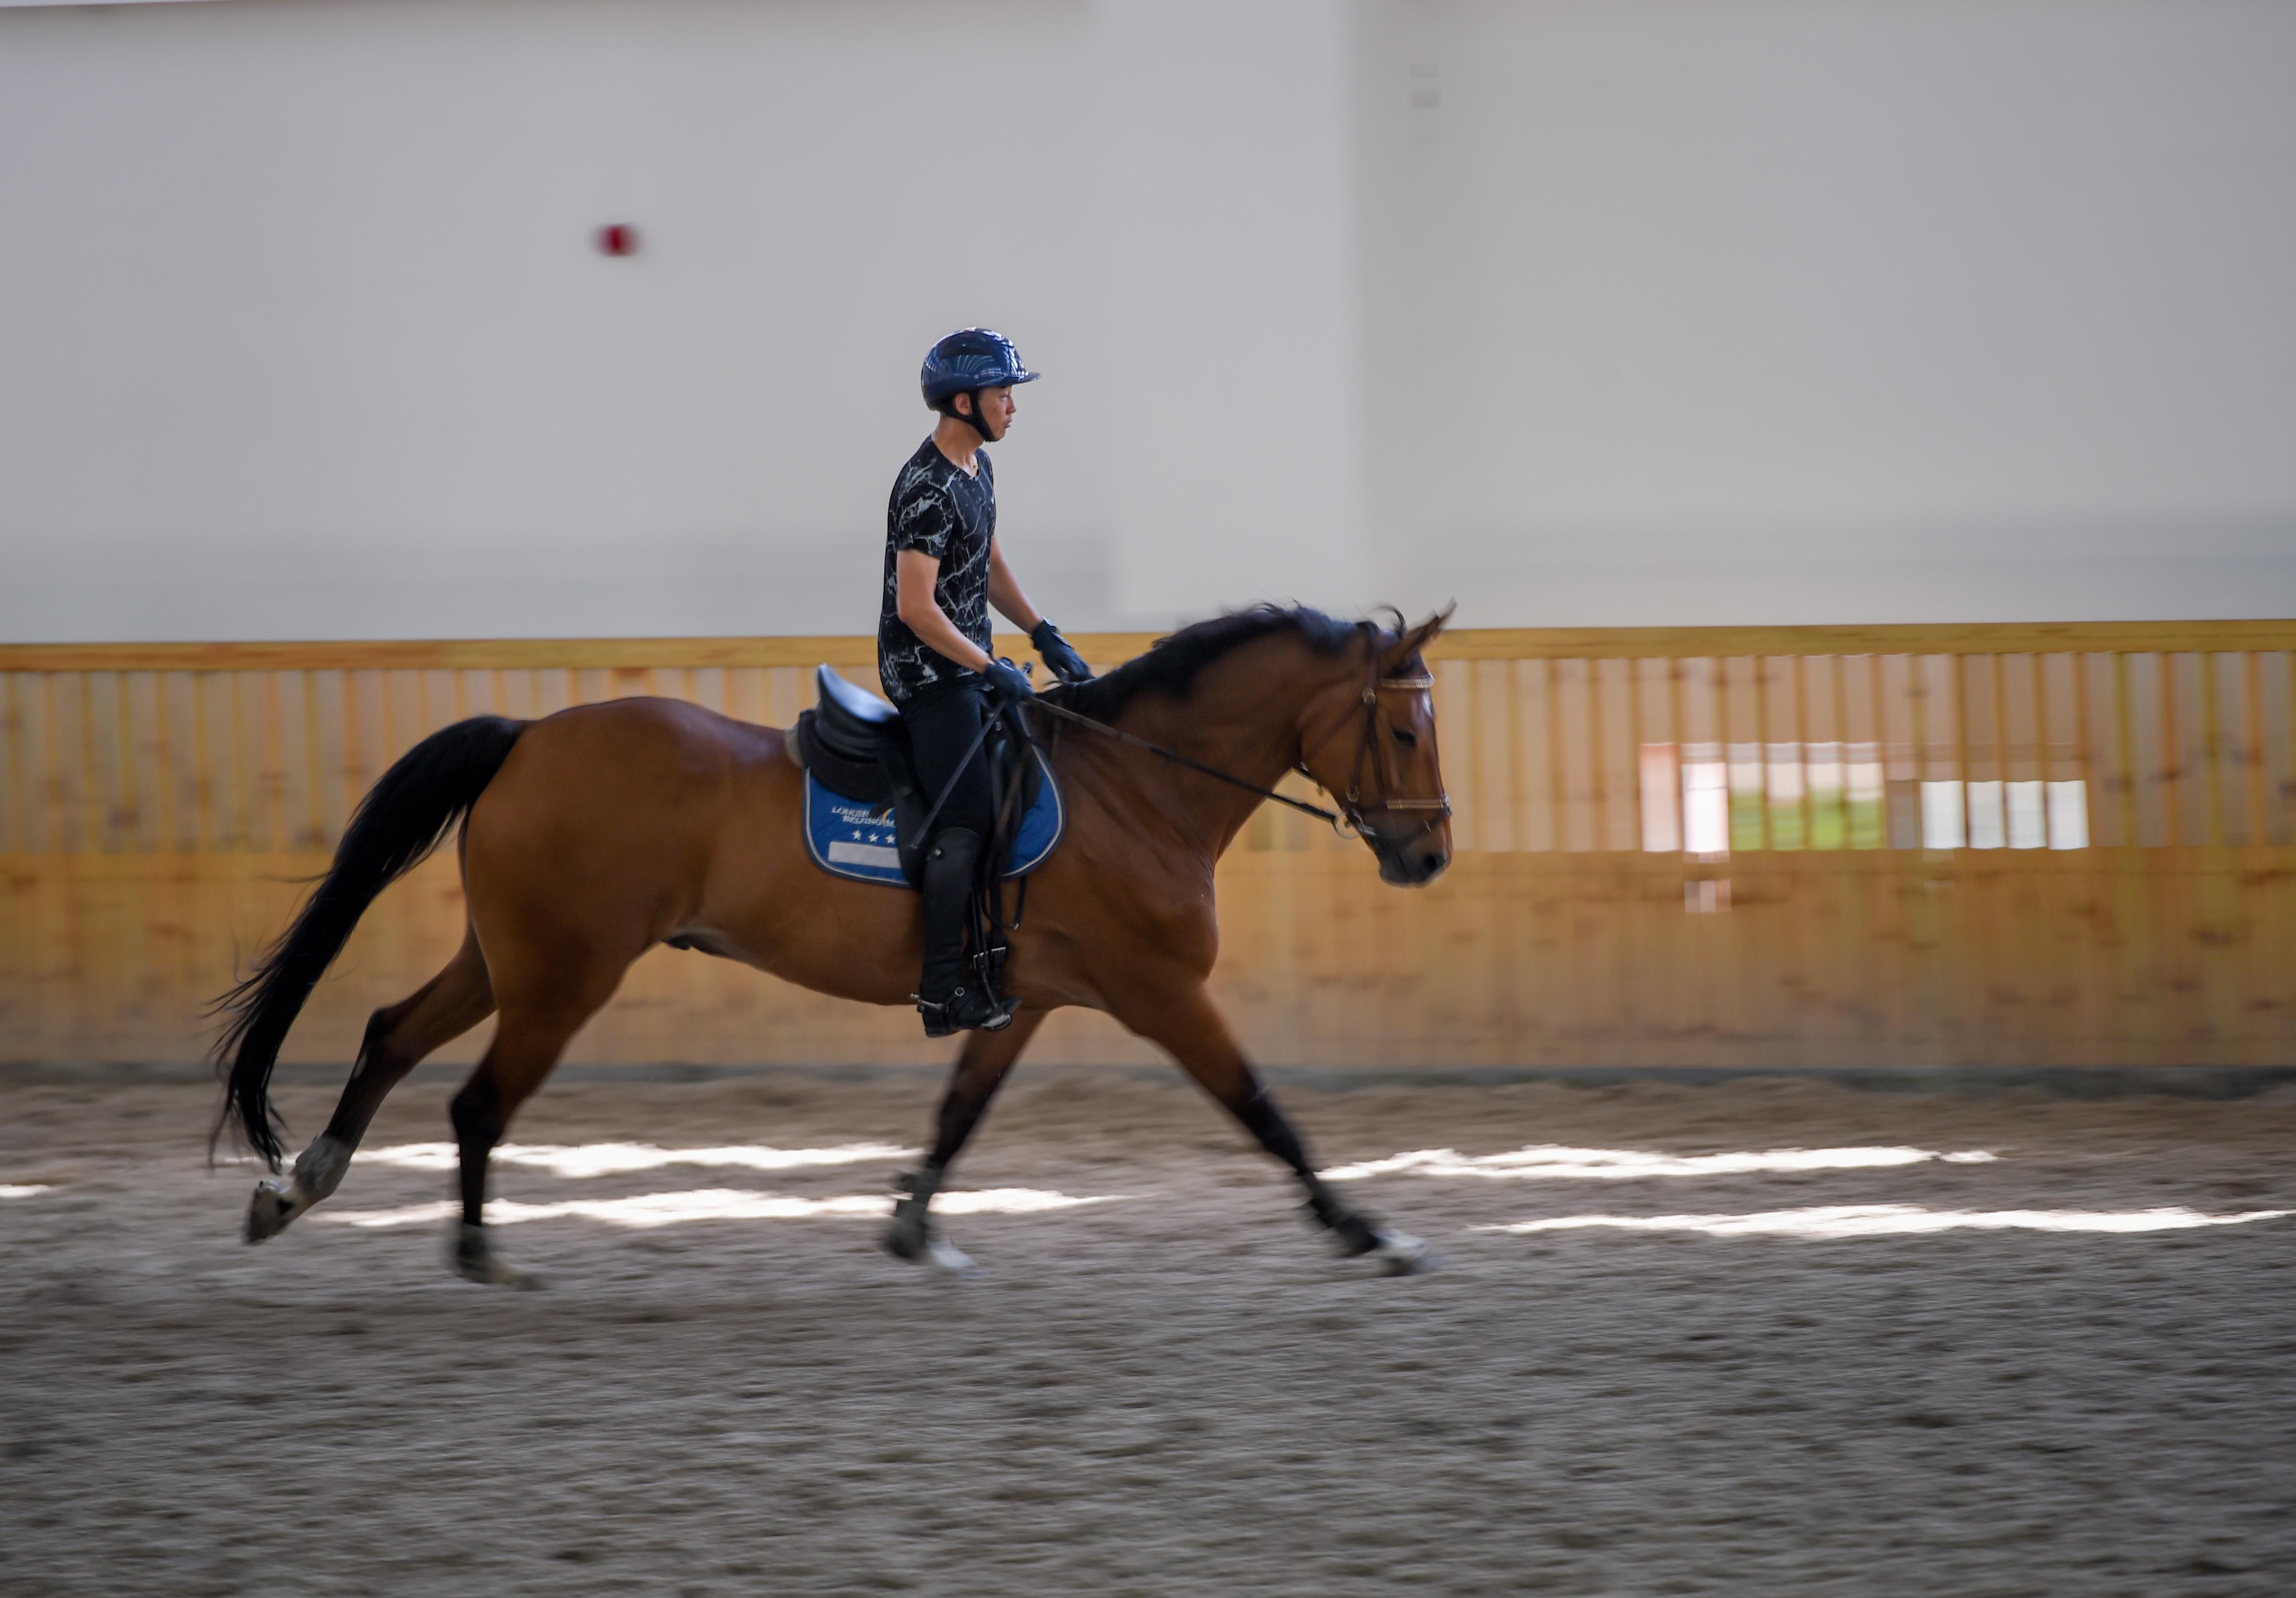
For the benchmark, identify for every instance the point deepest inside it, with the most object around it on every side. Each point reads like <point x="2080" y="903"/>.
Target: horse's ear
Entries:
<point x="1407" y="647"/>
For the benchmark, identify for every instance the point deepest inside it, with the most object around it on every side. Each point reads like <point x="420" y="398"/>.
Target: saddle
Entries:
<point x="856" y="748"/>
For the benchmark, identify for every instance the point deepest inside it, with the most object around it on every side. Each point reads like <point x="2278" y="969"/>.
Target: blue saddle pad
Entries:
<point x="847" y="838"/>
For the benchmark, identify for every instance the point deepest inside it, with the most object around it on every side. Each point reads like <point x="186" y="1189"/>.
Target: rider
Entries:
<point x="943" y="569"/>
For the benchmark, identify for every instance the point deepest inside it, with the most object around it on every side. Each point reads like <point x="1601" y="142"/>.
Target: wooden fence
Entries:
<point x="1847" y="846"/>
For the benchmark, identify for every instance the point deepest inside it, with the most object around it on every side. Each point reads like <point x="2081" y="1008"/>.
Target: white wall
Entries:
<point x="1650" y="311"/>
<point x="1792" y="310"/>
<point x="307" y="334"/>
<point x="1233" y="277"/>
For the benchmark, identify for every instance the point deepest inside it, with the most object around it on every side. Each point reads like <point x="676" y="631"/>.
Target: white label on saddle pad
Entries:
<point x="864" y="854"/>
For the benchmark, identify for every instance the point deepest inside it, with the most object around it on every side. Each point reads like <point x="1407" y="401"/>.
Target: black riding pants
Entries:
<point x="943" y="721"/>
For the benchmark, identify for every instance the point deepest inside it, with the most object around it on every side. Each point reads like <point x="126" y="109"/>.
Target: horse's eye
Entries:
<point x="1404" y="736"/>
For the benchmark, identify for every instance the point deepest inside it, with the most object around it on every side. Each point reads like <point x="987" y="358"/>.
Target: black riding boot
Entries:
<point x="950" y="998"/>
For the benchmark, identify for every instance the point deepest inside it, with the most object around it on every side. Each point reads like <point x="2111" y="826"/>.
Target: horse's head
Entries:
<point x="1370" y="742"/>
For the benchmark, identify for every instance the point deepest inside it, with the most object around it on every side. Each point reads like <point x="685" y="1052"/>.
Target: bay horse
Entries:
<point x="590" y="836"/>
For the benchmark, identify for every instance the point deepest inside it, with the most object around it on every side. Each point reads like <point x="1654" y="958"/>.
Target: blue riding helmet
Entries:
<point x="966" y="361"/>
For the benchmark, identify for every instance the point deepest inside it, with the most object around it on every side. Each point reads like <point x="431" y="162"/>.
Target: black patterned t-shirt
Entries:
<point x="938" y="509"/>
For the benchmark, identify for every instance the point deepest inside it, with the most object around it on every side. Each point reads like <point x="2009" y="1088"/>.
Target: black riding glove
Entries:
<point x="1007" y="682"/>
<point x="1059" y="654"/>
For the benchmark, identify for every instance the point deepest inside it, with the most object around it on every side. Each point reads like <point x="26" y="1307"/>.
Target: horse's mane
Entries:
<point x="1171" y="664"/>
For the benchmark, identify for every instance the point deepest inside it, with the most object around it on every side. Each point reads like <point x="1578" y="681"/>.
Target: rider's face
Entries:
<point x="998" y="409"/>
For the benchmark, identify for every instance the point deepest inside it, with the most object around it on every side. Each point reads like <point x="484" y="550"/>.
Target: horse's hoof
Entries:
<point x="270" y="1210"/>
<point x="317" y="1172"/>
<point x="947" y="1257"/>
<point x="474" y="1259"/>
<point x="493" y="1271"/>
<point x="1400" y="1254"/>
<point x="923" y="1247"/>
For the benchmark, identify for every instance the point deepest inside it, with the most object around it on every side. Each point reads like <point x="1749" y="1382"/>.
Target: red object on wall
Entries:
<point x="617" y="238"/>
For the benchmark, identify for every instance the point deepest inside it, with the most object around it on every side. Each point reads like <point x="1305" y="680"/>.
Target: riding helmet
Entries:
<point x="966" y="361"/>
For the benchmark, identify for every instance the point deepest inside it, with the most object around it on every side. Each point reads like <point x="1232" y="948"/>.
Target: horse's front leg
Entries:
<point x="1190" y="1026"/>
<point x="980" y="1070"/>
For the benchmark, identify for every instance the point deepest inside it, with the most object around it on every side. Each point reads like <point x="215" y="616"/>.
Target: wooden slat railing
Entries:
<point x="2061" y="842"/>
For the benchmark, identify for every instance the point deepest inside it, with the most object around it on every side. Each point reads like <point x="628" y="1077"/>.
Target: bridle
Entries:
<point x="1349" y="818"/>
<point x="1370" y="752"/>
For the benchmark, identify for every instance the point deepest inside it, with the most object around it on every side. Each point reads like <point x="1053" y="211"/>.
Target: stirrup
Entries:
<point x="964" y="1011"/>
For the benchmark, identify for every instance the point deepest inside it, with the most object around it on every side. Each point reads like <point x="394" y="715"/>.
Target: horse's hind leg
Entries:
<point x="398" y="1038"/>
<point x="980" y="1070"/>
<point x="526" y="1048"/>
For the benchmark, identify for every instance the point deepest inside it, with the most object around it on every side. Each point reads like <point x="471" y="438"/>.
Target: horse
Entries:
<point x="589" y="836"/>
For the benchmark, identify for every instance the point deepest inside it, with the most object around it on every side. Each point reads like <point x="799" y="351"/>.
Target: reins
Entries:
<point x="1176" y="758"/>
<point x="1118" y="734"/>
<point x="1350" y="817"/>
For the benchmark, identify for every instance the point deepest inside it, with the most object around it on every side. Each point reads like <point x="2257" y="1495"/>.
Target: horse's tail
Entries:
<point x="403" y="817"/>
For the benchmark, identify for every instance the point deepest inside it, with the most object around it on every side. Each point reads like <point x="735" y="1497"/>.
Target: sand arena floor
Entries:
<point x="1177" y="1392"/>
